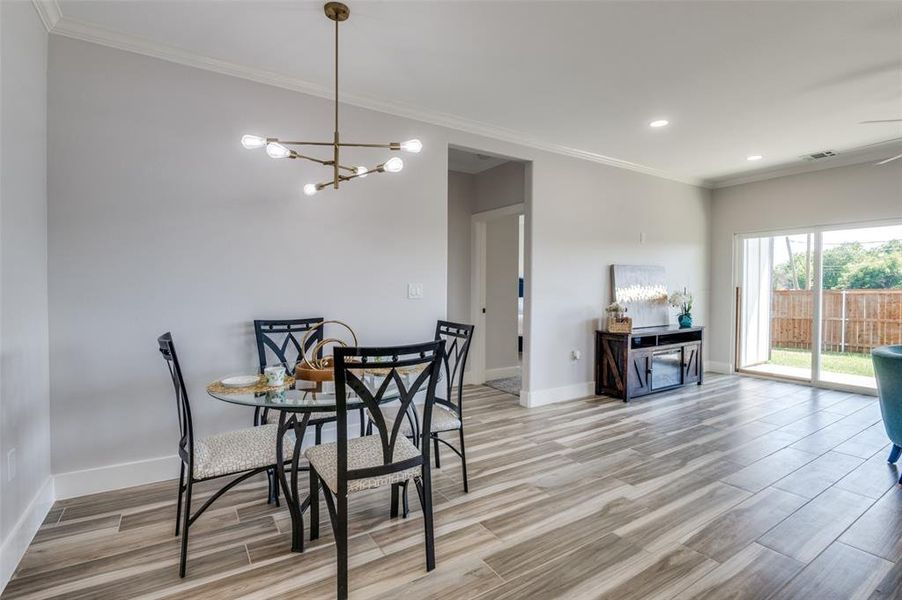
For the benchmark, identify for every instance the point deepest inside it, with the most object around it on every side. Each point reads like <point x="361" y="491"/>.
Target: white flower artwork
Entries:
<point x="643" y="289"/>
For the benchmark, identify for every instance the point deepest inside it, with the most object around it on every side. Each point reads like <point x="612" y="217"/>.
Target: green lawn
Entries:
<point x="847" y="363"/>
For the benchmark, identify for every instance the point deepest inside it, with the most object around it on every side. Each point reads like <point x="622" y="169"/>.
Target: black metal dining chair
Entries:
<point x="244" y="452"/>
<point x="279" y="342"/>
<point x="447" y="416"/>
<point x="387" y="457"/>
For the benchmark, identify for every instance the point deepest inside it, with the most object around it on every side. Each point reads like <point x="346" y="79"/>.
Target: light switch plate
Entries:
<point x="414" y="291"/>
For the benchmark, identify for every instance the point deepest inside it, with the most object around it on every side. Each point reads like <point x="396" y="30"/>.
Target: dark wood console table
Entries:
<point x="629" y="365"/>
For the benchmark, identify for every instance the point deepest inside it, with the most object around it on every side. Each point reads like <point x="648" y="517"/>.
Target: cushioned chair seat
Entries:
<point x="273" y="416"/>
<point x="363" y="452"/>
<point x="888" y="370"/>
<point x="236" y="451"/>
<point x="442" y="419"/>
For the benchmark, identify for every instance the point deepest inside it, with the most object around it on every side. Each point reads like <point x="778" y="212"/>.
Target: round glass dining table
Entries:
<point x="297" y="403"/>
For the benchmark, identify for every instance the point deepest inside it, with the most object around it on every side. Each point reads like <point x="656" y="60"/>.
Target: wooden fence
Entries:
<point x="854" y="320"/>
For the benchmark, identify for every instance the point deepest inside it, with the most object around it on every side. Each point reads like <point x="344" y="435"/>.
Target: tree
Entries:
<point x="837" y="262"/>
<point x="846" y="266"/>
<point x="791" y="276"/>
<point x="876" y="273"/>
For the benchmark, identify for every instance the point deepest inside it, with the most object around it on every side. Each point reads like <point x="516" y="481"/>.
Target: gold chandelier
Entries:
<point x="276" y="148"/>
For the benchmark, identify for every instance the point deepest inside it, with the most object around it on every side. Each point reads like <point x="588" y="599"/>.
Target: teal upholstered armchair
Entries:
<point x="888" y="368"/>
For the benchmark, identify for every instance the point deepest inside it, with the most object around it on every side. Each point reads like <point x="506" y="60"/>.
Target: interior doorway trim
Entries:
<point x="478" y="226"/>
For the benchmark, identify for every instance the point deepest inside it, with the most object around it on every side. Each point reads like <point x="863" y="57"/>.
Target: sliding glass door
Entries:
<point x="777" y="305"/>
<point x="812" y="304"/>
<point x="862" y="301"/>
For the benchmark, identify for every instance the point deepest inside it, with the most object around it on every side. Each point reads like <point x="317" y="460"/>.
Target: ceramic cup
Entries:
<point x="274" y="375"/>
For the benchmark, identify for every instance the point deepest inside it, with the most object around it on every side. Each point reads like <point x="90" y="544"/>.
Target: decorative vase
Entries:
<point x="685" y="320"/>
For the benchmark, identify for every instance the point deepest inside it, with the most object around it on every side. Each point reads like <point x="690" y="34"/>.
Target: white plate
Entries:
<point x="241" y="381"/>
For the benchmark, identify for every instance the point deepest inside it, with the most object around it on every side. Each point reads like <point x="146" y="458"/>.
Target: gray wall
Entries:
<point x="586" y="217"/>
<point x="24" y="391"/>
<point x="470" y="193"/>
<point x="167" y="223"/>
<point x="158" y="220"/>
<point x="501" y="257"/>
<point x="461" y="197"/>
<point x="500" y="186"/>
<point x="844" y="195"/>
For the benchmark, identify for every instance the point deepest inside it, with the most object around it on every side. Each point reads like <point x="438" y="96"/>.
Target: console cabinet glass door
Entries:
<point x="639" y="366"/>
<point x="667" y="368"/>
<point x="692" y="365"/>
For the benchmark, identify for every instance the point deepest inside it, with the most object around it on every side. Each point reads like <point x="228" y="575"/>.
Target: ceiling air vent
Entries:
<point x="819" y="155"/>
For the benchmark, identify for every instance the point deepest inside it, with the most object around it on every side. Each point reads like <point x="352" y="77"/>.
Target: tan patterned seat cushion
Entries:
<point x="237" y="451"/>
<point x="273" y="416"/>
<point x="363" y="452"/>
<point x="442" y="419"/>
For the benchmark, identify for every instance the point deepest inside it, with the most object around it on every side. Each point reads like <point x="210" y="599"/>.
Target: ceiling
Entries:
<point x="464" y="161"/>
<point x="779" y="79"/>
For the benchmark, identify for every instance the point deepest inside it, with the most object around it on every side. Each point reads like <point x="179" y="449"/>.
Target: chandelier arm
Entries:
<point x="373" y="171"/>
<point x="310" y="158"/>
<point x="303" y="143"/>
<point x="390" y="146"/>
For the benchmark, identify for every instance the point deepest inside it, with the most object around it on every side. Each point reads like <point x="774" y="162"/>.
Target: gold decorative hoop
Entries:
<point x="315" y="362"/>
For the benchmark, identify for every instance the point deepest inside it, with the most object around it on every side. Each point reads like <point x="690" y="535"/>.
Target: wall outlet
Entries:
<point x="414" y="291"/>
<point x="575" y="355"/>
<point x="11" y="465"/>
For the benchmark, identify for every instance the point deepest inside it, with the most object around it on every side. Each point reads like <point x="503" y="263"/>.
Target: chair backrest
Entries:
<point x="186" y="427"/>
<point x="407" y="370"/>
<point x="888" y="369"/>
<point x="282" y="338"/>
<point x="457" y="338"/>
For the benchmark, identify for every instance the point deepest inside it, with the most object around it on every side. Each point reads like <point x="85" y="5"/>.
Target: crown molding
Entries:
<point x="49" y="12"/>
<point x="95" y="34"/>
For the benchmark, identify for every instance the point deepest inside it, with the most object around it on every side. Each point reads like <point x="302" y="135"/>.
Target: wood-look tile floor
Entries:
<point x="741" y="488"/>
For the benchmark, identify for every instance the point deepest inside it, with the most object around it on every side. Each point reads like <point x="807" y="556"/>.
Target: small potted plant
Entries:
<point x="682" y="301"/>
<point x="618" y="322"/>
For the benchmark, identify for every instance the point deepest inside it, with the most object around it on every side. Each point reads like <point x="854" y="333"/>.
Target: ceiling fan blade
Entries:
<point x="883" y="162"/>
<point x="880" y="121"/>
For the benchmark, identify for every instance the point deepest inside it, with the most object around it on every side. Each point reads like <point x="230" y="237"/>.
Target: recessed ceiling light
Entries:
<point x="754" y="157"/>
<point x="659" y="123"/>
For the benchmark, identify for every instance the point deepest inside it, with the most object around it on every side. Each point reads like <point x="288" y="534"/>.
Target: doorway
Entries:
<point x="487" y="263"/>
<point x="813" y="303"/>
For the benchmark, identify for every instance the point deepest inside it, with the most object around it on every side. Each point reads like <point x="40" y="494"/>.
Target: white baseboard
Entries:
<point x="114" y="477"/>
<point x="718" y="367"/>
<point x="502" y="372"/>
<point x="16" y="543"/>
<point x="575" y="391"/>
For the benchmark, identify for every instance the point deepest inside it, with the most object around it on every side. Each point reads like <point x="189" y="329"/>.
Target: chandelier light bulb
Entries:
<point x="310" y="189"/>
<point x="413" y="146"/>
<point x="362" y="171"/>
<point x="393" y="165"/>
<point x="277" y="150"/>
<point x="252" y="142"/>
